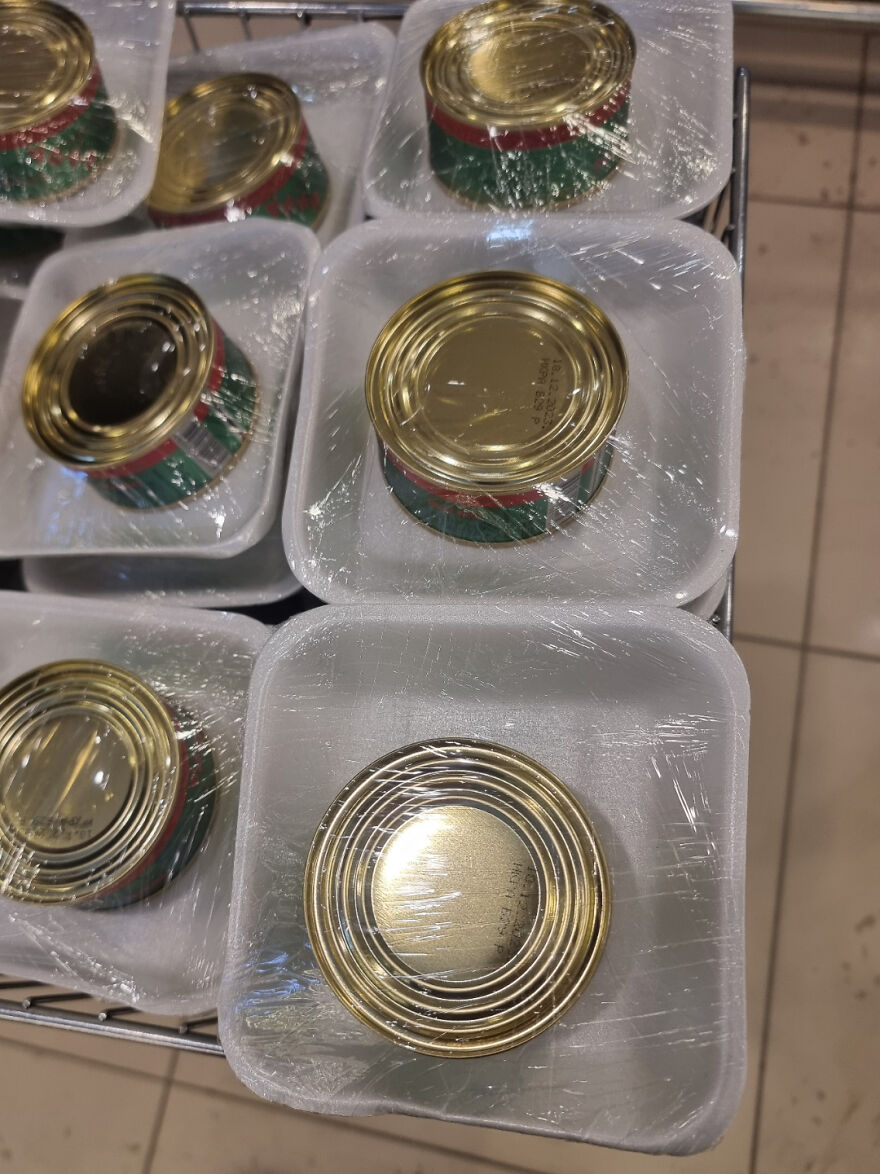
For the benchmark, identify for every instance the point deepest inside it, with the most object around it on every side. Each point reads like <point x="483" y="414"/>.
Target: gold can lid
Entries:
<point x="118" y="371"/>
<point x="89" y="775"/>
<point x="528" y="64"/>
<point x="456" y="897"/>
<point x="222" y="140"/>
<point x="46" y="56"/>
<point x="496" y="382"/>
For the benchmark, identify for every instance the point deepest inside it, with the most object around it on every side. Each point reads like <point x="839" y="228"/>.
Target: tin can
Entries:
<point x="528" y="101"/>
<point x="237" y="146"/>
<point x="57" y="128"/>
<point x="106" y="789"/>
<point x="494" y="397"/>
<point x="137" y="386"/>
<point x="456" y="897"/>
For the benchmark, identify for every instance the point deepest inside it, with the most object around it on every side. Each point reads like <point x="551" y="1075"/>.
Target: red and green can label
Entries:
<point x="185" y="830"/>
<point x="58" y="157"/>
<point x="496" y="519"/>
<point x="528" y="168"/>
<point x="200" y="451"/>
<point x="298" y="190"/>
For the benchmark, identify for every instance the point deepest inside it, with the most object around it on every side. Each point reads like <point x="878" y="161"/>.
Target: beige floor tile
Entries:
<point x="867" y="193"/>
<point x="846" y="612"/>
<point x="210" y="1074"/>
<point x="792" y="281"/>
<point x="203" y="1133"/>
<point x="59" y="1114"/>
<point x="802" y="143"/>
<point x="773" y="673"/>
<point x="807" y="56"/>
<point x="821" y="1110"/>
<point x="135" y="1057"/>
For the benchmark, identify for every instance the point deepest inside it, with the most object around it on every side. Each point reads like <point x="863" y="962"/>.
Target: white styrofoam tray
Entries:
<point x="132" y="44"/>
<point x="680" y="127"/>
<point x="253" y="278"/>
<point x="644" y="715"/>
<point x="662" y="528"/>
<point x="164" y="954"/>
<point x="338" y="75"/>
<point x="260" y="574"/>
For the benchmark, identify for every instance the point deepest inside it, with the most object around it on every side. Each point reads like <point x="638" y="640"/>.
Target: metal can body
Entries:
<point x="494" y="397"/>
<point x="59" y="129"/>
<point x="137" y="386"/>
<point x="528" y="102"/>
<point x="456" y="897"/>
<point x="106" y="789"/>
<point x="238" y="146"/>
<point x="496" y="518"/>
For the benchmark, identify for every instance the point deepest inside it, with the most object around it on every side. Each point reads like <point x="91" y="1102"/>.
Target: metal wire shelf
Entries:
<point x="27" y="1001"/>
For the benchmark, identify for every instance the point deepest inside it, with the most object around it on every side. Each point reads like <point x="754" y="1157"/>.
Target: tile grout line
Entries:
<point x="351" y="1125"/>
<point x="797" y="646"/>
<point x="800" y="695"/>
<point x="161" y="1109"/>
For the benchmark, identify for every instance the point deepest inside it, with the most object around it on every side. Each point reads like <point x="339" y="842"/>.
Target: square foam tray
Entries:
<point x="164" y="954"/>
<point x="644" y="716"/>
<point x="662" y="528"/>
<point x="253" y="278"/>
<point x="680" y="125"/>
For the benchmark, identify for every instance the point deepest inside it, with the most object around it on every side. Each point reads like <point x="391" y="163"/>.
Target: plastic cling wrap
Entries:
<point x="516" y="837"/>
<point x="147" y="391"/>
<point x="551" y="411"/>
<point x="120" y="770"/>
<point x="83" y="90"/>
<point x="524" y="105"/>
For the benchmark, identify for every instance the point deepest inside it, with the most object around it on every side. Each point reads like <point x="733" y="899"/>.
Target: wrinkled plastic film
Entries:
<point x="661" y="523"/>
<point x="93" y="161"/>
<point x="643" y="719"/>
<point x="658" y="140"/>
<point x="158" y="941"/>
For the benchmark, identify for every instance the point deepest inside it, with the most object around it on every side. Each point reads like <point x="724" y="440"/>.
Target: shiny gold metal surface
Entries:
<point x="496" y="382"/>
<point x="46" y="57"/>
<point x="89" y="779"/>
<point x="528" y="64"/>
<point x="222" y="140"/>
<point x="456" y="897"/>
<point x="118" y="371"/>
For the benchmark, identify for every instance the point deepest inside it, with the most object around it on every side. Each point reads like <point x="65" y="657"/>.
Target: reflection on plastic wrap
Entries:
<point x="617" y="108"/>
<point x="119" y="771"/>
<point x="528" y="103"/>
<point x="83" y="87"/>
<point x="147" y="392"/>
<point x="494" y="396"/>
<point x="235" y="146"/>
<point x="107" y="789"/>
<point x="456" y="898"/>
<point x="557" y="406"/>
<point x="137" y="386"/>
<point x="431" y="792"/>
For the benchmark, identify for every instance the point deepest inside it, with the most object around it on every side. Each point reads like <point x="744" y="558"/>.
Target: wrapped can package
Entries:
<point x="119" y="778"/>
<point x="147" y="392"/>
<point x="502" y="881"/>
<point x="81" y="118"/>
<point x="534" y="105"/>
<point x="546" y="410"/>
